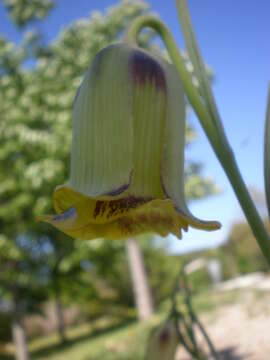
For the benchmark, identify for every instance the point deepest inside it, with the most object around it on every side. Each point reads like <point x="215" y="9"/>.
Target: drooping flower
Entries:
<point x="127" y="160"/>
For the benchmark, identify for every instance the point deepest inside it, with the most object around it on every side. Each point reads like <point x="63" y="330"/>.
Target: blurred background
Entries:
<point x="66" y="299"/>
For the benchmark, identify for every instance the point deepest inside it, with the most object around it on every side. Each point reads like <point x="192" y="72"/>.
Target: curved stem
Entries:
<point x="214" y="133"/>
<point x="149" y="21"/>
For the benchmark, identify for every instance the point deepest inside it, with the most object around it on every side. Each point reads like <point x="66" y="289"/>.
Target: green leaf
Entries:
<point x="198" y="64"/>
<point x="267" y="153"/>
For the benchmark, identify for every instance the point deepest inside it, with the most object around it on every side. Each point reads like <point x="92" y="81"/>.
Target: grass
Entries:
<point x="125" y="341"/>
<point x="108" y="340"/>
<point x="208" y="301"/>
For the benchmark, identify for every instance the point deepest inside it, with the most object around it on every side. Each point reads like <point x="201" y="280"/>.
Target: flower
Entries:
<point x="127" y="160"/>
<point x="162" y="342"/>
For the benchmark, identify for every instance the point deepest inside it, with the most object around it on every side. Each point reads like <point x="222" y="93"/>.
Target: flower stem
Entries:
<point x="211" y="124"/>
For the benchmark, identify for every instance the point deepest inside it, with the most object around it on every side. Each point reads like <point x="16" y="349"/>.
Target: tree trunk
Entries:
<point x="60" y="320"/>
<point x="18" y="333"/>
<point x="143" y="299"/>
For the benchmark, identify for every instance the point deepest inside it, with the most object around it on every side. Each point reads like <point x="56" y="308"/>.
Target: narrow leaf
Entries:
<point x="197" y="62"/>
<point x="267" y="153"/>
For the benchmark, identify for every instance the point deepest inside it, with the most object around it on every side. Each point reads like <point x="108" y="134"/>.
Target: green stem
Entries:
<point x="215" y="134"/>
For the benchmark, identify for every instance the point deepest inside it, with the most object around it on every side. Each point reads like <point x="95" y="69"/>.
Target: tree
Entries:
<point x="24" y="11"/>
<point x="141" y="289"/>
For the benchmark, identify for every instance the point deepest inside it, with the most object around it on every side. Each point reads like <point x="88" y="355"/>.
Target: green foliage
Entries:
<point x="110" y="263"/>
<point x="108" y="273"/>
<point x="5" y="328"/>
<point x="242" y="254"/>
<point x="23" y="11"/>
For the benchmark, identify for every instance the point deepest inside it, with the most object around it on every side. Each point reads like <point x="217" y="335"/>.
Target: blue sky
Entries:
<point x="234" y="40"/>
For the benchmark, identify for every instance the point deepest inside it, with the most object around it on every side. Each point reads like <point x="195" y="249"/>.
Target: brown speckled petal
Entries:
<point x="83" y="217"/>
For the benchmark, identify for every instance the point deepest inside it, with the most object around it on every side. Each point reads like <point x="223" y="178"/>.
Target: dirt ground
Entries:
<point x="240" y="330"/>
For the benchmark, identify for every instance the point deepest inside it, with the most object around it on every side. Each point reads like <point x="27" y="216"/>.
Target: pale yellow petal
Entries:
<point x="102" y="143"/>
<point x="149" y="111"/>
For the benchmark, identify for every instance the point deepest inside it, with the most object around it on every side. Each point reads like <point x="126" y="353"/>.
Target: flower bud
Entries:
<point x="162" y="343"/>
<point x="127" y="160"/>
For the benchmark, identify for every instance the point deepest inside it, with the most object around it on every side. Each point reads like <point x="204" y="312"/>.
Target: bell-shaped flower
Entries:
<point x="127" y="161"/>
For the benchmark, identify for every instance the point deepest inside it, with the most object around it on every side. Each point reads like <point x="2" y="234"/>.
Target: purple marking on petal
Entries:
<point x="77" y="94"/>
<point x="122" y="188"/>
<point x="118" y="191"/>
<point x="69" y="214"/>
<point x="144" y="68"/>
<point x="162" y="184"/>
